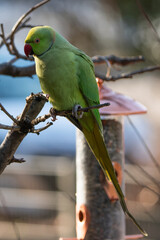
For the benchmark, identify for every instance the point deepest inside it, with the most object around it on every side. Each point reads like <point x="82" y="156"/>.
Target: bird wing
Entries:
<point x="87" y="82"/>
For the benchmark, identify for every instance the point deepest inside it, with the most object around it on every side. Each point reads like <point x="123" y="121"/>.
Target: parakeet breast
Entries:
<point x="57" y="75"/>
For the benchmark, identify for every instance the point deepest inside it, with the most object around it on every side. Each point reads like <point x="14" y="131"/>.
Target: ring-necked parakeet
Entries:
<point x="66" y="74"/>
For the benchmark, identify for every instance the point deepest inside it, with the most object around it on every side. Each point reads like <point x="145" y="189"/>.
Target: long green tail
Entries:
<point x="96" y="143"/>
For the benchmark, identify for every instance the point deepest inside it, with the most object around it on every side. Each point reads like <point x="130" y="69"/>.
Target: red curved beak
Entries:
<point x="28" y="49"/>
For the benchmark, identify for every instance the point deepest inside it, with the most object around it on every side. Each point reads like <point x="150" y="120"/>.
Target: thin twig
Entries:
<point x="108" y="66"/>
<point x="13" y="60"/>
<point x="41" y="119"/>
<point x="37" y="131"/>
<point x="17" y="160"/>
<point x="149" y="176"/>
<point x="144" y="186"/>
<point x="148" y="20"/>
<point x="117" y="60"/>
<point x="127" y="75"/>
<point x="8" y="114"/>
<point x="26" y="26"/>
<point x="141" y="185"/>
<point x="10" y="218"/>
<point x="4" y="39"/>
<point x="145" y="210"/>
<point x="23" y="123"/>
<point x="144" y="144"/>
<point x="23" y="24"/>
<point x="19" y="21"/>
<point x="9" y="41"/>
<point x="7" y="127"/>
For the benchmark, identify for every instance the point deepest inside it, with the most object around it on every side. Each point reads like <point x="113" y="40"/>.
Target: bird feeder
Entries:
<point x="98" y="211"/>
<point x="120" y="105"/>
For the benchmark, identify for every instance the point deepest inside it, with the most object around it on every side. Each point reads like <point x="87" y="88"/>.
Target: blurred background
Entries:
<point x="38" y="197"/>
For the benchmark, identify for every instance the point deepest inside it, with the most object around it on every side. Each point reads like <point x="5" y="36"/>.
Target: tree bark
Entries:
<point x="106" y="219"/>
<point x="13" y="138"/>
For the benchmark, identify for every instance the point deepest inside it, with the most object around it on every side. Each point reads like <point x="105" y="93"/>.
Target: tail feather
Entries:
<point x="97" y="145"/>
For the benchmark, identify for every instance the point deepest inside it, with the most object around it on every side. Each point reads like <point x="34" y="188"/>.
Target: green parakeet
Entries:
<point x="66" y="74"/>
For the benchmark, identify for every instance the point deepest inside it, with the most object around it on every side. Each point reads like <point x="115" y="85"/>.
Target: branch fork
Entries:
<point x="9" y="41"/>
<point x="24" y="124"/>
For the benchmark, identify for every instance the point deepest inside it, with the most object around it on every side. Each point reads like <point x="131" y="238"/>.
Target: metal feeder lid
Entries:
<point x="119" y="103"/>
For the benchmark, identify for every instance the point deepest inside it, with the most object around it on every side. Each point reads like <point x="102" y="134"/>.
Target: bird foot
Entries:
<point x="53" y="114"/>
<point x="76" y="111"/>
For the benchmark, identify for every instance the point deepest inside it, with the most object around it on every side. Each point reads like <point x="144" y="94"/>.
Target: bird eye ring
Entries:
<point x="37" y="40"/>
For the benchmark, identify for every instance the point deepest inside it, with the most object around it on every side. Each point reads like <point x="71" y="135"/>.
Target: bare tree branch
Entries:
<point x="8" y="114"/>
<point x="20" y="20"/>
<point x="17" y="160"/>
<point x="9" y="40"/>
<point x="37" y="131"/>
<point x="17" y="25"/>
<point x="9" y="216"/>
<point x="7" y="127"/>
<point x="14" y="71"/>
<point x="4" y="40"/>
<point x="41" y="119"/>
<point x="127" y="75"/>
<point x="25" y="124"/>
<point x="13" y="138"/>
<point x="148" y="20"/>
<point x="117" y="60"/>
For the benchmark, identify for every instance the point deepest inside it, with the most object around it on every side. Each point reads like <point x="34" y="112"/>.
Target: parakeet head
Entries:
<point x="39" y="40"/>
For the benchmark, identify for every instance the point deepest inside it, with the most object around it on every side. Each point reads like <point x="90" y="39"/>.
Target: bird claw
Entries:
<point x="53" y="114"/>
<point x="75" y="111"/>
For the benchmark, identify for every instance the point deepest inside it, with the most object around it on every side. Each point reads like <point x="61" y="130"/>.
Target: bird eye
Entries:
<point x="37" y="40"/>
